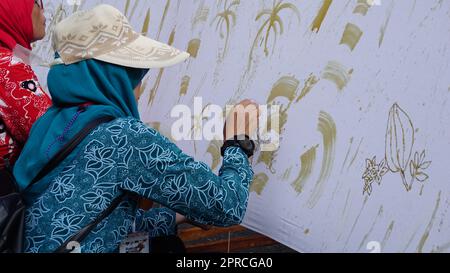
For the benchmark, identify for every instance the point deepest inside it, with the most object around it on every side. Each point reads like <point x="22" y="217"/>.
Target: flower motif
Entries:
<point x="32" y="215"/>
<point x="374" y="173"/>
<point x="154" y="156"/>
<point x="174" y="187"/>
<point x="66" y="223"/>
<point x="100" y="161"/>
<point x="418" y="166"/>
<point x="96" y="201"/>
<point x="97" y="246"/>
<point x="63" y="188"/>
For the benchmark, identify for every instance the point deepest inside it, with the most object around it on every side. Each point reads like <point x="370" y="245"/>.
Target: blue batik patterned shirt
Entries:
<point x="126" y="155"/>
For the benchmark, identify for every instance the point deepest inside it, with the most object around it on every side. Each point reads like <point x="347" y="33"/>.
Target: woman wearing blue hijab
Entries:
<point x="100" y="62"/>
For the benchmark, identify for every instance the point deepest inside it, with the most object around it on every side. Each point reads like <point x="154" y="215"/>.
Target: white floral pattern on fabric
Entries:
<point x="126" y="155"/>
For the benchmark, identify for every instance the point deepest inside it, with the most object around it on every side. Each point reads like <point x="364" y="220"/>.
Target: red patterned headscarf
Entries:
<point x="16" y="25"/>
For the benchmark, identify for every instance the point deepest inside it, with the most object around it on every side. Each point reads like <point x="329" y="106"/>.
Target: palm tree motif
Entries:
<point x="272" y="21"/>
<point x="227" y="16"/>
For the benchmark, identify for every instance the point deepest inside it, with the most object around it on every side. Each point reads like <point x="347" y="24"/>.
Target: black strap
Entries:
<point x="68" y="148"/>
<point x="84" y="232"/>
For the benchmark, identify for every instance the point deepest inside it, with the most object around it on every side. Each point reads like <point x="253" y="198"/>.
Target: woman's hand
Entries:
<point x="242" y="120"/>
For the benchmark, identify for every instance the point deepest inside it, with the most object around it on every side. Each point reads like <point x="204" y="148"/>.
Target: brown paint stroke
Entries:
<point x="380" y="212"/>
<point x="193" y="47"/>
<point x="386" y="24"/>
<point x="355" y="155"/>
<point x="317" y="23"/>
<point x="356" y="220"/>
<point x="410" y="240"/>
<point x="286" y="174"/>
<point x="214" y="151"/>
<point x="184" y="86"/>
<point x="163" y="19"/>
<point x="201" y="15"/>
<point x="309" y="85"/>
<point x="272" y="23"/>
<point x="127" y="7"/>
<point x="285" y="87"/>
<point x="259" y="183"/>
<point x="146" y="24"/>
<point x="351" y="36"/>
<point x="154" y="90"/>
<point x="307" y="167"/>
<point x="327" y="128"/>
<point x="347" y="154"/>
<point x="337" y="73"/>
<point x="136" y="2"/>
<point x="387" y="235"/>
<point x="426" y="234"/>
<point x="362" y="7"/>
<point x="226" y="17"/>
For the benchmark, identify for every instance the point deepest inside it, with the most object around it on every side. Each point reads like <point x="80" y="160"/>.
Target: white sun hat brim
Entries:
<point x="104" y="33"/>
<point x="144" y="53"/>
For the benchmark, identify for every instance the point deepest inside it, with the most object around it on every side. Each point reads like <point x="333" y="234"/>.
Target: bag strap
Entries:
<point x="68" y="148"/>
<point x="84" y="232"/>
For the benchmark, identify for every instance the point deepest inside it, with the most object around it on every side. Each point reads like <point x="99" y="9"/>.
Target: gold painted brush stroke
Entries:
<point x="272" y="21"/>
<point x="380" y="211"/>
<point x="387" y="235"/>
<point x="362" y="7"/>
<point x="227" y="16"/>
<point x="193" y="47"/>
<point x="308" y="86"/>
<point x="259" y="183"/>
<point x="286" y="87"/>
<point x="386" y="24"/>
<point x="214" y="150"/>
<point x="327" y="128"/>
<point x="201" y="15"/>
<point x="163" y="19"/>
<point x="426" y="234"/>
<point x="307" y="166"/>
<point x="337" y="73"/>
<point x="154" y="90"/>
<point x="146" y="24"/>
<point x="317" y="23"/>
<point x="184" y="85"/>
<point x="351" y="36"/>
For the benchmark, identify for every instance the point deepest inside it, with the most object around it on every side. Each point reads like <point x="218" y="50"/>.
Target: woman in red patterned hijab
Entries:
<point x="22" y="100"/>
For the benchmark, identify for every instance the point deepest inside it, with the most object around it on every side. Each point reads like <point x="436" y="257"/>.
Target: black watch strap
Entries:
<point x="245" y="143"/>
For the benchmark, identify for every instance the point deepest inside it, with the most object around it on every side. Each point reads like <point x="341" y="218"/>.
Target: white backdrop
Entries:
<point x="357" y="79"/>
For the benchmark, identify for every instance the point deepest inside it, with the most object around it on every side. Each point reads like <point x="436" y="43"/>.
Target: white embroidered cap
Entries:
<point x="104" y="33"/>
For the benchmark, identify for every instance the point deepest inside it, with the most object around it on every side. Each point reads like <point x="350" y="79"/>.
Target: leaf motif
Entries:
<point x="412" y="168"/>
<point x="76" y="220"/>
<point x="93" y="165"/>
<point x="203" y="198"/>
<point x="105" y="171"/>
<point x="422" y="177"/>
<point x="90" y="196"/>
<point x="60" y="232"/>
<point x="107" y="153"/>
<point x="128" y="155"/>
<point x="422" y="156"/>
<point x="425" y="165"/>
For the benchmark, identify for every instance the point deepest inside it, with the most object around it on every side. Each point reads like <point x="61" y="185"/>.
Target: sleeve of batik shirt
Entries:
<point x="157" y="169"/>
<point x="22" y="100"/>
<point x="158" y="222"/>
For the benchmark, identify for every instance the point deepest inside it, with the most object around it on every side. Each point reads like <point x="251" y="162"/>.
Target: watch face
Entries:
<point x="247" y="145"/>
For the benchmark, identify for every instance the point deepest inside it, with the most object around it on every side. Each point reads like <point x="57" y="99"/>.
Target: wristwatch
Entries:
<point x="243" y="142"/>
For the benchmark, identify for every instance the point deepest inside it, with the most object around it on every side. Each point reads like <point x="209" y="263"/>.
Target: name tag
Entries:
<point x="135" y="243"/>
